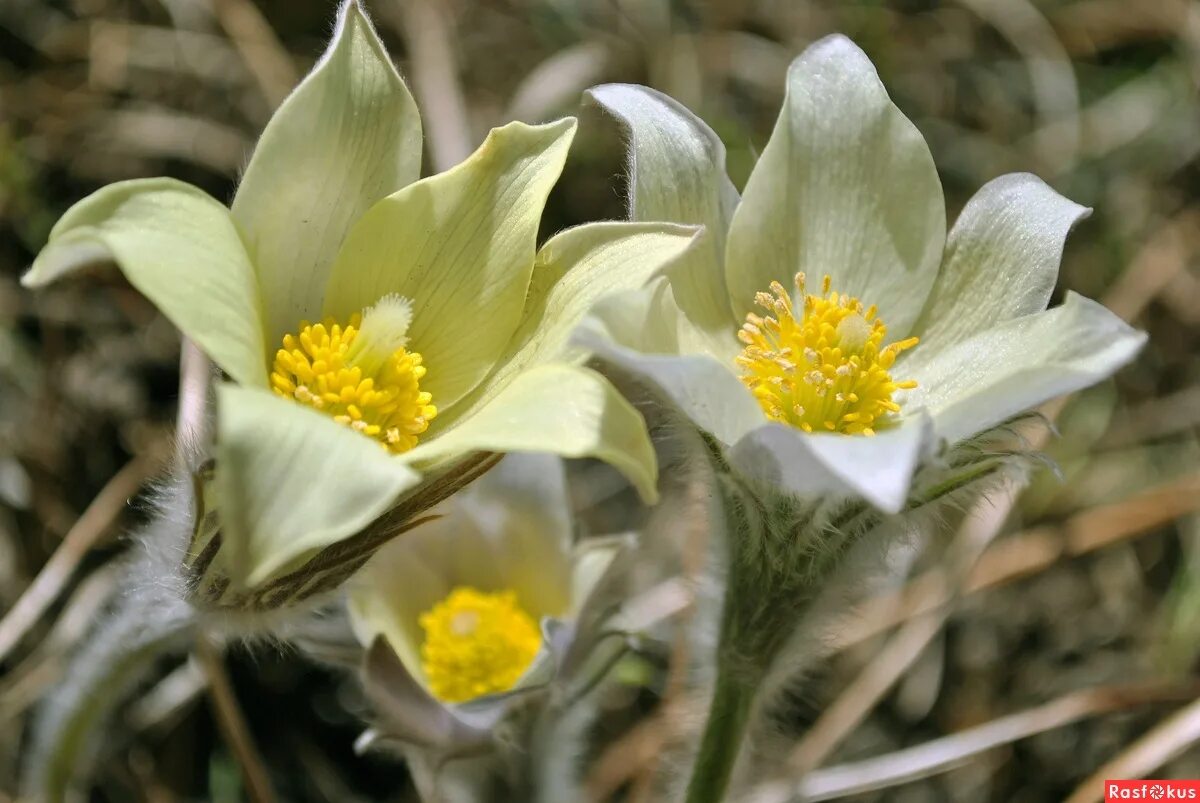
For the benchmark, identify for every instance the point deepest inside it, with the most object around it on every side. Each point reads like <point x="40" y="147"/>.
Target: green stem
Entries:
<point x="732" y="701"/>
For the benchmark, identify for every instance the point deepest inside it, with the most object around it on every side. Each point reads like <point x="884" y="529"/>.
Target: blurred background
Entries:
<point x="1075" y="630"/>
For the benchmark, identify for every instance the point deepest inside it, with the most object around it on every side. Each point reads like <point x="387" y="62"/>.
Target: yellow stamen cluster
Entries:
<point x="359" y="374"/>
<point x="476" y="643"/>
<point x="825" y="371"/>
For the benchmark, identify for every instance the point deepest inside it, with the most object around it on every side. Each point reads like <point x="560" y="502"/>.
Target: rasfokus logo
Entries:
<point x="1151" y="790"/>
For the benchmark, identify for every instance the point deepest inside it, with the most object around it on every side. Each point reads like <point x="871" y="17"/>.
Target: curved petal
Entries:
<point x="987" y="379"/>
<point x="704" y="389"/>
<point x="645" y="319"/>
<point x="409" y="712"/>
<point x="878" y="469"/>
<point x="179" y="248"/>
<point x="348" y="135"/>
<point x="388" y="595"/>
<point x="461" y="246"/>
<point x="521" y="509"/>
<point x="1001" y="260"/>
<point x="559" y="409"/>
<point x="846" y="187"/>
<point x="677" y="173"/>
<point x="575" y="269"/>
<point x="290" y="481"/>
<point x="458" y="552"/>
<point x="590" y="561"/>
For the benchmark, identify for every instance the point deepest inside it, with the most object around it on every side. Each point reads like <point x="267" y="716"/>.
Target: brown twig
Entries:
<point x="232" y="723"/>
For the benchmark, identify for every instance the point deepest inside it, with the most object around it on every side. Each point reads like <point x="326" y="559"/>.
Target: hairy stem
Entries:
<point x="724" y="732"/>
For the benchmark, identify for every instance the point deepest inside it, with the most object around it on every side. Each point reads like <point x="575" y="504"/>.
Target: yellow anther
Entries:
<point x="843" y="384"/>
<point x="360" y="374"/>
<point x="476" y="643"/>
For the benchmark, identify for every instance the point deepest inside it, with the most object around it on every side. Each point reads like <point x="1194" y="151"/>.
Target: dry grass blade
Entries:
<point x="429" y="38"/>
<point x="29" y="680"/>
<point x="255" y="39"/>
<point x="948" y="752"/>
<point x="558" y="82"/>
<point x="1027" y="553"/>
<point x="1165" y="255"/>
<point x="980" y="527"/>
<point x="232" y="722"/>
<point x="1170" y="739"/>
<point x="83" y="536"/>
<point x="1055" y="90"/>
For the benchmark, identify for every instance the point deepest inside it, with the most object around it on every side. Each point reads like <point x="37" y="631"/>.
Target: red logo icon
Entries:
<point x="1151" y="790"/>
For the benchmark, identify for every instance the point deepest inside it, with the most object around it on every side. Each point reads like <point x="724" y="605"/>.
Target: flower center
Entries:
<point x="825" y="371"/>
<point x="359" y="373"/>
<point x="476" y="643"/>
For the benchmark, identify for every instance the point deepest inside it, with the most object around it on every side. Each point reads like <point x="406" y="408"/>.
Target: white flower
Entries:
<point x="828" y="304"/>
<point x="475" y="609"/>
<point x="354" y="306"/>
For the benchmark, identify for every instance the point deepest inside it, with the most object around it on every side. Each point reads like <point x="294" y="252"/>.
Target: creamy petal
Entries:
<point x="460" y="245"/>
<point x="178" y="247"/>
<point x="987" y="379"/>
<point x="557" y="409"/>
<point x="846" y="187"/>
<point x="348" y="135"/>
<point x="291" y="480"/>
<point x="576" y="269"/>
<point x="1001" y="260"/>
<point x="677" y="173"/>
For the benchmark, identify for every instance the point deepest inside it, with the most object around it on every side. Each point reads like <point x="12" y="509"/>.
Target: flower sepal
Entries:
<point x="217" y="582"/>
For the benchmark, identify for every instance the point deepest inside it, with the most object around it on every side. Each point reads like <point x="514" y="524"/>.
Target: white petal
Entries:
<point x="987" y="379"/>
<point x="846" y="187"/>
<point x="291" y="480"/>
<point x="557" y="409"/>
<point x="460" y="245"/>
<point x="178" y="247"/>
<point x="878" y="469"/>
<point x="409" y="712"/>
<point x="521" y="508"/>
<point x="347" y="136"/>
<point x="1001" y="260"/>
<point x="677" y="174"/>
<point x="389" y="594"/>
<point x="704" y="389"/>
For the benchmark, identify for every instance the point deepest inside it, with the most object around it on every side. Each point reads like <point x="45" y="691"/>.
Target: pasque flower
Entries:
<point x="845" y="357"/>
<point x="829" y="331"/>
<point x="467" y="614"/>
<point x="378" y="332"/>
